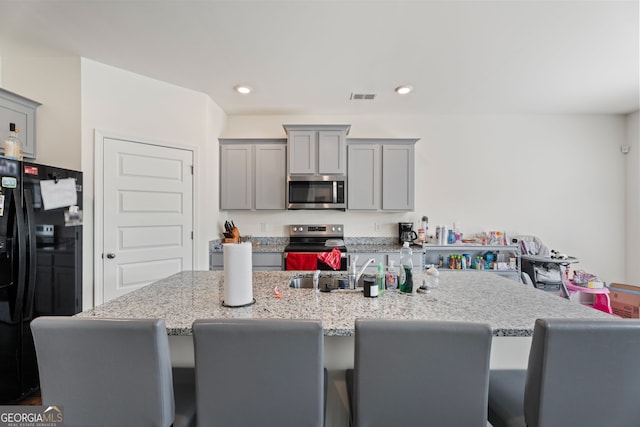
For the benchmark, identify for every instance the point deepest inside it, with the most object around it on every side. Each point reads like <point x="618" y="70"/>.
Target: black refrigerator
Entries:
<point x="40" y="262"/>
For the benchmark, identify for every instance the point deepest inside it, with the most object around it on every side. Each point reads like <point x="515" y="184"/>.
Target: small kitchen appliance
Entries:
<point x="406" y="233"/>
<point x="316" y="192"/>
<point x="309" y="243"/>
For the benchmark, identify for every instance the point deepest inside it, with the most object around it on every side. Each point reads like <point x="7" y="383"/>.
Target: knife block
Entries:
<point x="235" y="236"/>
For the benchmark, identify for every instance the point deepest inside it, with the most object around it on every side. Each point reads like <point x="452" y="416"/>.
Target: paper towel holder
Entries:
<point x="238" y="306"/>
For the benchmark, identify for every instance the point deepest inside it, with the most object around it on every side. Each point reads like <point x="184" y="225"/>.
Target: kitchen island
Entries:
<point x="508" y="307"/>
<point x="470" y="296"/>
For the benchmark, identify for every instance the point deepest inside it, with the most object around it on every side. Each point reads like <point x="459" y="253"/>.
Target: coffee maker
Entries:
<point x="406" y="233"/>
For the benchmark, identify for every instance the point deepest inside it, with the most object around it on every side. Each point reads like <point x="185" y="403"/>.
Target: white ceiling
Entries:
<point x="308" y="56"/>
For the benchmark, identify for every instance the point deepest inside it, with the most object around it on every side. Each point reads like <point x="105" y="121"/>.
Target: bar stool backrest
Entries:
<point x="259" y="372"/>
<point x="105" y="372"/>
<point x="583" y="373"/>
<point x="409" y="373"/>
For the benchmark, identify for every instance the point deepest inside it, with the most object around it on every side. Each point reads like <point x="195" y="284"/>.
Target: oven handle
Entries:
<point x="342" y="254"/>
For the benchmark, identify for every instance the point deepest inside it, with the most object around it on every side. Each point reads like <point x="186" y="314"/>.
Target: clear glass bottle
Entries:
<point x="406" y="269"/>
<point x="12" y="144"/>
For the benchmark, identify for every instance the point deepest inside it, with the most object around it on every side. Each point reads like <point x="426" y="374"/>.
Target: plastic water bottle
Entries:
<point x="380" y="278"/>
<point x="391" y="280"/>
<point x="406" y="269"/>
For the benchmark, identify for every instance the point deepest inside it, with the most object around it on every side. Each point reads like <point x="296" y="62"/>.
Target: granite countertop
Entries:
<point x="353" y="244"/>
<point x="350" y="248"/>
<point x="388" y="247"/>
<point x="471" y="296"/>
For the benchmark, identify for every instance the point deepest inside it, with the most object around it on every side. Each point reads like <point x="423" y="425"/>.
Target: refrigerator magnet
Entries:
<point x="72" y="216"/>
<point x="9" y="182"/>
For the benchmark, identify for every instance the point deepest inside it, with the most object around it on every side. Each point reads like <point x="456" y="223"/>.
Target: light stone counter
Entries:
<point x="475" y="296"/>
<point x="471" y="296"/>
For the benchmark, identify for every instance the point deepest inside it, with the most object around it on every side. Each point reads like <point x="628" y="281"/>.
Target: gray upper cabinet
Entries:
<point x="271" y="176"/>
<point x="302" y="152"/>
<point x="381" y="174"/>
<point x="398" y="182"/>
<point x="365" y="167"/>
<point x="21" y="111"/>
<point x="236" y="176"/>
<point x="317" y="149"/>
<point x="252" y="174"/>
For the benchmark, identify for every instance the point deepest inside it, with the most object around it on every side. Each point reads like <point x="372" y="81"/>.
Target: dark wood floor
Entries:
<point x="32" y="400"/>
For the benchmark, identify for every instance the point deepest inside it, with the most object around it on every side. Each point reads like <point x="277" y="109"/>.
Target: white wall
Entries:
<point x="54" y="81"/>
<point x="558" y="177"/>
<point x="127" y="104"/>
<point x="633" y="200"/>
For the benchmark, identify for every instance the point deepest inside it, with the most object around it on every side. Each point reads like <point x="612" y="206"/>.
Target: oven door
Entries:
<point x="305" y="261"/>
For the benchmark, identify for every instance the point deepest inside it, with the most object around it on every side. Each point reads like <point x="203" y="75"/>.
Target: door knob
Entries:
<point x="111" y="256"/>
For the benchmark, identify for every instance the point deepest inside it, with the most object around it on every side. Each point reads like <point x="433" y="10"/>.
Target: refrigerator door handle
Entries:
<point x="22" y="251"/>
<point x="32" y="261"/>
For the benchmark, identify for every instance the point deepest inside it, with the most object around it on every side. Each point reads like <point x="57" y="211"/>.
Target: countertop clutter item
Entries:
<point x="406" y="269"/>
<point x="12" y="144"/>
<point x="370" y="288"/>
<point x="422" y="230"/>
<point x="625" y="300"/>
<point x="231" y="233"/>
<point x="238" y="285"/>
<point x="406" y="233"/>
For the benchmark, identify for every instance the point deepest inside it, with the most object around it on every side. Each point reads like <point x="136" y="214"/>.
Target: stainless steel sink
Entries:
<point x="325" y="283"/>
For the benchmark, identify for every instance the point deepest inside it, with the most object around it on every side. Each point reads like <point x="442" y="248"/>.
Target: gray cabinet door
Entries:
<point x="271" y="179"/>
<point x="236" y="176"/>
<point x="332" y="152"/>
<point x="398" y="177"/>
<point x="260" y="260"/>
<point x="267" y="261"/>
<point x="21" y="111"/>
<point x="364" y="186"/>
<point x="363" y="257"/>
<point x="417" y="257"/>
<point x="302" y="152"/>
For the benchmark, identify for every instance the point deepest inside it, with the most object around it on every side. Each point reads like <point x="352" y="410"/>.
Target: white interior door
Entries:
<point x="147" y="214"/>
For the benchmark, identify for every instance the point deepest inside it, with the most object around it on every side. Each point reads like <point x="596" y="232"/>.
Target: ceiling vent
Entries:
<point x="363" y="96"/>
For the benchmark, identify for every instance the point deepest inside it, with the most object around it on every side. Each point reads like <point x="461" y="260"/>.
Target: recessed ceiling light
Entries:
<point x="403" y="90"/>
<point x="243" y="89"/>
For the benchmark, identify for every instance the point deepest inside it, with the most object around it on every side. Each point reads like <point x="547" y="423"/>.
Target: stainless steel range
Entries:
<point x="316" y="247"/>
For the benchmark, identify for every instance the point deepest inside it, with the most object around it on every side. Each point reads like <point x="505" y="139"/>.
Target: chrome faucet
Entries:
<point x="364" y="266"/>
<point x="316" y="278"/>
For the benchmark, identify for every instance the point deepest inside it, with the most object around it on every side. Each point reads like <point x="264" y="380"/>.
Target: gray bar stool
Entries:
<point x="259" y="372"/>
<point x="111" y="372"/>
<point x="411" y="373"/>
<point x="581" y="373"/>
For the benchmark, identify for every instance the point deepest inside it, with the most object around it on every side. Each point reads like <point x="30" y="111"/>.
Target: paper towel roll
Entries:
<point x="238" y="286"/>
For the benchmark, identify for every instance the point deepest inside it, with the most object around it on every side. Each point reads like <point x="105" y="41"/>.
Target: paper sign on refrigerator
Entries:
<point x="58" y="193"/>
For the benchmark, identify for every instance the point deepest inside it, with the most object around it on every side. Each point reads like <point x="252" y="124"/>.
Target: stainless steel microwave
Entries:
<point x="317" y="192"/>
